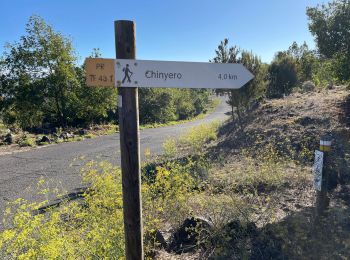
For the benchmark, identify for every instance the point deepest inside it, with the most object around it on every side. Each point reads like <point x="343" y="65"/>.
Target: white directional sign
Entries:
<point x="173" y="74"/>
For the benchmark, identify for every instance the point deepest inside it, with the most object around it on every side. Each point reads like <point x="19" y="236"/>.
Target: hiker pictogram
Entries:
<point x="127" y="73"/>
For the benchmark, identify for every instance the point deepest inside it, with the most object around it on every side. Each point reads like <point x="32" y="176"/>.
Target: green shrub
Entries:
<point x="282" y="74"/>
<point x="170" y="148"/>
<point x="323" y="74"/>
<point x="159" y="105"/>
<point x="307" y="86"/>
<point x="156" y="105"/>
<point x="329" y="24"/>
<point x="195" y="138"/>
<point x="165" y="198"/>
<point x="27" y="142"/>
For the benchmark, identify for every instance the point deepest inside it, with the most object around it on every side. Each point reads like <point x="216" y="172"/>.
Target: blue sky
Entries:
<point x="167" y="30"/>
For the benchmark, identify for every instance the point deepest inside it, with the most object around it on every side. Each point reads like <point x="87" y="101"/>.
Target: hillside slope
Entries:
<point x="294" y="126"/>
<point x="259" y="192"/>
<point x="291" y="127"/>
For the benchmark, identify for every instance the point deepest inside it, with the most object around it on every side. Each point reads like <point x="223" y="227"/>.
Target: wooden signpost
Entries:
<point x="129" y="146"/>
<point x="128" y="74"/>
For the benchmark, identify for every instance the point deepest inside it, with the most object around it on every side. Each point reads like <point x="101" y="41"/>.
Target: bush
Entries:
<point x="329" y="24"/>
<point x="27" y="142"/>
<point x="185" y="109"/>
<point x="92" y="227"/>
<point x="323" y="74"/>
<point x="191" y="102"/>
<point x="75" y="230"/>
<point x="283" y="76"/>
<point x="196" y="137"/>
<point x="170" y="148"/>
<point x="165" y="197"/>
<point x="159" y="105"/>
<point x="156" y="105"/>
<point x="307" y="86"/>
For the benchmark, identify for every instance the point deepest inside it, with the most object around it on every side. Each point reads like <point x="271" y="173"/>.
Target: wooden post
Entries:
<point x="322" y="199"/>
<point x="129" y="146"/>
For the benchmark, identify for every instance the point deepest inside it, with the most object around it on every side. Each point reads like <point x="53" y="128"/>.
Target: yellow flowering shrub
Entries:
<point x="83" y="229"/>
<point x="194" y="138"/>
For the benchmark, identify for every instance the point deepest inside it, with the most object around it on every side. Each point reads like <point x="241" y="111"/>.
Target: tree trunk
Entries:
<point x="60" y="109"/>
<point x="239" y="115"/>
<point x="230" y="102"/>
<point x="232" y="112"/>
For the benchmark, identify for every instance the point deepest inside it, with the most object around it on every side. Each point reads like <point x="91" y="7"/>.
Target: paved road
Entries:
<point x="60" y="164"/>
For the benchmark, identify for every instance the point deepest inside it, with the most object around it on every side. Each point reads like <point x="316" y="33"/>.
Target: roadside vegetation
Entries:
<point x="217" y="192"/>
<point x="75" y="230"/>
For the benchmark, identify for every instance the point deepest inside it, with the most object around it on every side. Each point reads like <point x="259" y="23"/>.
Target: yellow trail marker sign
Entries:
<point x="100" y="72"/>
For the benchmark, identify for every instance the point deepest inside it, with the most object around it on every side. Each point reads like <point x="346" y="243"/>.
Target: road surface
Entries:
<point x="60" y="164"/>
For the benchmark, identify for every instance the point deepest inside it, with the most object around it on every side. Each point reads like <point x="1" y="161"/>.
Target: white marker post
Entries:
<point x="317" y="170"/>
<point x="322" y="161"/>
<point x="128" y="74"/>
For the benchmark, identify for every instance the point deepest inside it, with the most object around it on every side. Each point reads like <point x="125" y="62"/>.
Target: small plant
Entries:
<point x="27" y="142"/>
<point x="89" y="136"/>
<point x="196" y="137"/>
<point x="170" y="148"/>
<point x="43" y="143"/>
